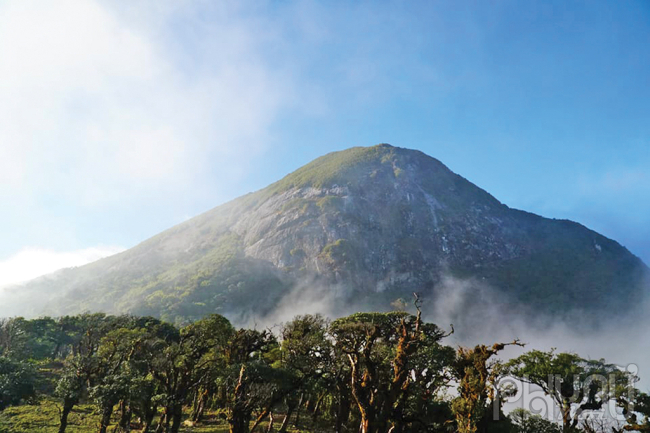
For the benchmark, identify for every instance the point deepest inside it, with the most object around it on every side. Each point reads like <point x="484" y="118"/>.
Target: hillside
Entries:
<point x="371" y="225"/>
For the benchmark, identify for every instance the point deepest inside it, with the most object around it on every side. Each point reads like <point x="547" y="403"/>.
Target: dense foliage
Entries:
<point x="368" y="372"/>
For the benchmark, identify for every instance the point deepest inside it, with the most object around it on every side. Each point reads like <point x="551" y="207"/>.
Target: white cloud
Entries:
<point x="31" y="263"/>
<point x="101" y="105"/>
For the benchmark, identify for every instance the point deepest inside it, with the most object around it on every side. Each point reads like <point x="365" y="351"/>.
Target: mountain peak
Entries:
<point x="354" y="165"/>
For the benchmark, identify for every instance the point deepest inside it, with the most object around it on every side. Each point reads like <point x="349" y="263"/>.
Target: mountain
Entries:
<point x="371" y="225"/>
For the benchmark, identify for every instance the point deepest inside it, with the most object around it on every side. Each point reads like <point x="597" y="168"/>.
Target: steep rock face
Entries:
<point x="375" y="224"/>
<point x="389" y="219"/>
<point x="403" y="218"/>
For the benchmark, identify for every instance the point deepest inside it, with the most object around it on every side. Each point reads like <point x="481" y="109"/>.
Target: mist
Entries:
<point x="307" y="296"/>
<point x="479" y="313"/>
<point x="482" y="314"/>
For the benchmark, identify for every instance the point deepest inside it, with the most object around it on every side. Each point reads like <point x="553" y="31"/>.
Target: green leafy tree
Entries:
<point x="250" y="380"/>
<point x="46" y="337"/>
<point x="81" y="367"/>
<point x="382" y="351"/>
<point x="186" y="362"/>
<point x="14" y="339"/>
<point x="117" y="371"/>
<point x="17" y="380"/>
<point x="576" y="385"/>
<point x="147" y="393"/>
<point x="308" y="354"/>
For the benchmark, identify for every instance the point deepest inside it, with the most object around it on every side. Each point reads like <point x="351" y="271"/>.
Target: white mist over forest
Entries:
<point x="482" y="315"/>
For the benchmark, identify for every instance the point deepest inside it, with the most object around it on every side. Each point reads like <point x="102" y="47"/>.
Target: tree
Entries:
<point x="147" y="393"/>
<point x="308" y="355"/>
<point x="81" y="366"/>
<point x="575" y="385"/>
<point x="249" y="380"/>
<point x="381" y="349"/>
<point x="117" y="374"/>
<point x="14" y="338"/>
<point x="209" y="337"/>
<point x="431" y="367"/>
<point x="46" y="337"/>
<point x="477" y="377"/>
<point x="184" y="364"/>
<point x="71" y="387"/>
<point x="16" y="382"/>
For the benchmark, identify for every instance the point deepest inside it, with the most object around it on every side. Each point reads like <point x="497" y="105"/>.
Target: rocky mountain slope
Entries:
<point x="370" y="224"/>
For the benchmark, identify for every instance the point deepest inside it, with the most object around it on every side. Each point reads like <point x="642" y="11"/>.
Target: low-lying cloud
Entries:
<point x="31" y="263"/>
<point x="482" y="314"/>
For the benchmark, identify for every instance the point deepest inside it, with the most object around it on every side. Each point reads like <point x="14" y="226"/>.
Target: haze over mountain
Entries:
<point x="366" y="226"/>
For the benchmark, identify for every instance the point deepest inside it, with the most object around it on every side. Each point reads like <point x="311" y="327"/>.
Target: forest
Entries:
<point x="369" y="372"/>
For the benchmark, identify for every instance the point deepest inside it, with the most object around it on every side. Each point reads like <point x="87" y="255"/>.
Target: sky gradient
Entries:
<point x="118" y="121"/>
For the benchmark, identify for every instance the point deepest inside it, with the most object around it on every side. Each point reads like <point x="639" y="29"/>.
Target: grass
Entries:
<point x="334" y="168"/>
<point x="44" y="418"/>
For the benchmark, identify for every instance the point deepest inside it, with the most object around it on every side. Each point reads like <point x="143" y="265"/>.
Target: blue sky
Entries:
<point x="118" y="120"/>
